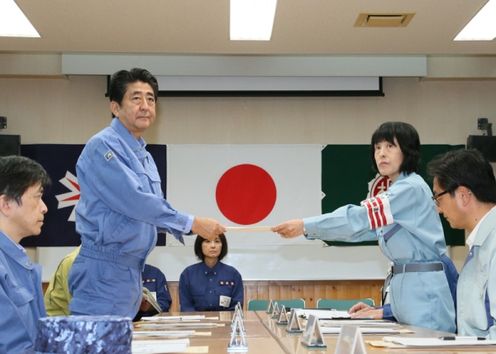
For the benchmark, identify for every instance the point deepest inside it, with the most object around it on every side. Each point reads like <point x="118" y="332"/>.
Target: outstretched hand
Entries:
<point x="290" y="228"/>
<point x="207" y="228"/>
<point x="362" y="310"/>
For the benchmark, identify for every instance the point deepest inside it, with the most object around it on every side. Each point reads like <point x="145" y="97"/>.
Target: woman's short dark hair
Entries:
<point x="408" y="141"/>
<point x="198" y="247"/>
<point x="466" y="168"/>
<point x="18" y="173"/>
<point x="121" y="79"/>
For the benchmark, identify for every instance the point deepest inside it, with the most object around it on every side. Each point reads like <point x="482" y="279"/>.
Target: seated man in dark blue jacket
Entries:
<point x="154" y="280"/>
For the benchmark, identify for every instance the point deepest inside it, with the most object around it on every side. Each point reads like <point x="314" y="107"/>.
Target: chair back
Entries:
<point x="262" y="305"/>
<point x="342" y="305"/>
<point x="258" y="305"/>
<point x="292" y="304"/>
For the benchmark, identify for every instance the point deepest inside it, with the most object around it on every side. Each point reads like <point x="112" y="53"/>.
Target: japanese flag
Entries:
<point x="246" y="185"/>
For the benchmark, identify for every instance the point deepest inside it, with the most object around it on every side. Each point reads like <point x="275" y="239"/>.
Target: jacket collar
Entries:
<point x="486" y="227"/>
<point x="14" y="251"/>
<point x="137" y="145"/>
<point x="206" y="269"/>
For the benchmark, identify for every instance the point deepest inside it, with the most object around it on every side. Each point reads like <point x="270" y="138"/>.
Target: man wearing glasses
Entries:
<point x="465" y="193"/>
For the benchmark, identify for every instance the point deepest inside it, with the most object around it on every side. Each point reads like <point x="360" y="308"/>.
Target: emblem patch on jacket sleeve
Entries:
<point x="109" y="155"/>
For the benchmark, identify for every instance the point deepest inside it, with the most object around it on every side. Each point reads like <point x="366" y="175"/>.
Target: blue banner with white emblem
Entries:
<point x="61" y="198"/>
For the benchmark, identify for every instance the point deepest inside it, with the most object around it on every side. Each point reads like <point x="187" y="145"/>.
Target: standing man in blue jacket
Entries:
<point x="122" y="205"/>
<point x="22" y="182"/>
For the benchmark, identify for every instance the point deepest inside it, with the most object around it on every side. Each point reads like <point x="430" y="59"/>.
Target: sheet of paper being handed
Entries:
<point x="248" y="228"/>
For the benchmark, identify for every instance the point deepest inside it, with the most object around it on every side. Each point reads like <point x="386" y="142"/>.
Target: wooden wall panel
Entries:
<point x="308" y="290"/>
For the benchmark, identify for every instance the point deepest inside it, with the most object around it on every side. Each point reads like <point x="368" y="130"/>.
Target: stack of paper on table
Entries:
<point x="171" y="322"/>
<point x="366" y="326"/>
<point x="159" y="346"/>
<point x="169" y="334"/>
<point x="172" y="325"/>
<point x="331" y="322"/>
<point x="192" y="318"/>
<point x="320" y="314"/>
<point x="367" y="330"/>
<point x="359" y="322"/>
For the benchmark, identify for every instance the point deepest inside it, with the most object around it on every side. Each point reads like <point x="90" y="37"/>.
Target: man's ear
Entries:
<point x="114" y="108"/>
<point x="465" y="194"/>
<point x="5" y="205"/>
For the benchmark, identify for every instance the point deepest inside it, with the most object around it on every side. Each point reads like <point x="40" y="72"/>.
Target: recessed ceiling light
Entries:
<point x="482" y="27"/>
<point x="252" y="20"/>
<point x="383" y="19"/>
<point x="13" y="22"/>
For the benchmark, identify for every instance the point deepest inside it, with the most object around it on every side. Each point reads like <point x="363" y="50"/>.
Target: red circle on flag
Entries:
<point x="246" y="194"/>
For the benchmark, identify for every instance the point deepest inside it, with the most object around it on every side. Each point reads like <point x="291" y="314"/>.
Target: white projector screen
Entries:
<point x="269" y="85"/>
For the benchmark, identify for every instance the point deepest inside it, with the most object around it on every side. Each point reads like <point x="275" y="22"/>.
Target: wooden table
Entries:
<point x="291" y="343"/>
<point x="259" y="339"/>
<point x="265" y="336"/>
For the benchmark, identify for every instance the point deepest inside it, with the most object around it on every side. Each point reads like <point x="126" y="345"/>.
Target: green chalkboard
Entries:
<point x="346" y="171"/>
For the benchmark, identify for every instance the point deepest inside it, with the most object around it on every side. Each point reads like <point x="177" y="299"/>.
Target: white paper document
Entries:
<point x="321" y="314"/>
<point x="174" y="318"/>
<point x="248" y="228"/>
<point x="424" y="342"/>
<point x="151" y="298"/>
<point x="165" y="325"/>
<point x="164" y="334"/>
<point x="359" y="322"/>
<point x="365" y="330"/>
<point x="171" y="334"/>
<point x="159" y="346"/>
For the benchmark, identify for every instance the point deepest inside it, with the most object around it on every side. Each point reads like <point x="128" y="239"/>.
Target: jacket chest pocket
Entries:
<point x="480" y="281"/>
<point x="151" y="182"/>
<point x="225" y="287"/>
<point x="22" y="300"/>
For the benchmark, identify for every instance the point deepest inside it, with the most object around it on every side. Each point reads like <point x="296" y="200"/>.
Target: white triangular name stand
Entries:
<point x="312" y="335"/>
<point x="294" y="325"/>
<point x="237" y="343"/>
<point x="239" y="310"/>
<point x="283" y="316"/>
<point x="276" y="311"/>
<point x="270" y="308"/>
<point x="350" y="341"/>
<point x="238" y="320"/>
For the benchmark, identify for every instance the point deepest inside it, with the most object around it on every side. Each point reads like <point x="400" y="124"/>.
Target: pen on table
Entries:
<point x="461" y="338"/>
<point x="346" y="319"/>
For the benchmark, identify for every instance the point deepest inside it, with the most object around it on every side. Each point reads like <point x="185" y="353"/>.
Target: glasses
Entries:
<point x="436" y="197"/>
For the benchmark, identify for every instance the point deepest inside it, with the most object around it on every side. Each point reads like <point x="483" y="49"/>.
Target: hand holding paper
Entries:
<point x="290" y="228"/>
<point x="207" y="228"/>
<point x="150" y="299"/>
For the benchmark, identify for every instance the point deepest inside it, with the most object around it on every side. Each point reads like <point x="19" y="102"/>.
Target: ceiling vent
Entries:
<point x="383" y="20"/>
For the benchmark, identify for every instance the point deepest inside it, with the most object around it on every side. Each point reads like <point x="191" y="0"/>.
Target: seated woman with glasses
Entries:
<point x="407" y="226"/>
<point x="210" y="285"/>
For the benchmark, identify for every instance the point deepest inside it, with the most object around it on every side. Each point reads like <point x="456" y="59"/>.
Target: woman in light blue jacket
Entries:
<point x="407" y="226"/>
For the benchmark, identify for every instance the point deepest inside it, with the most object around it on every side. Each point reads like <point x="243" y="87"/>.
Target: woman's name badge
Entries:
<point x="224" y="301"/>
